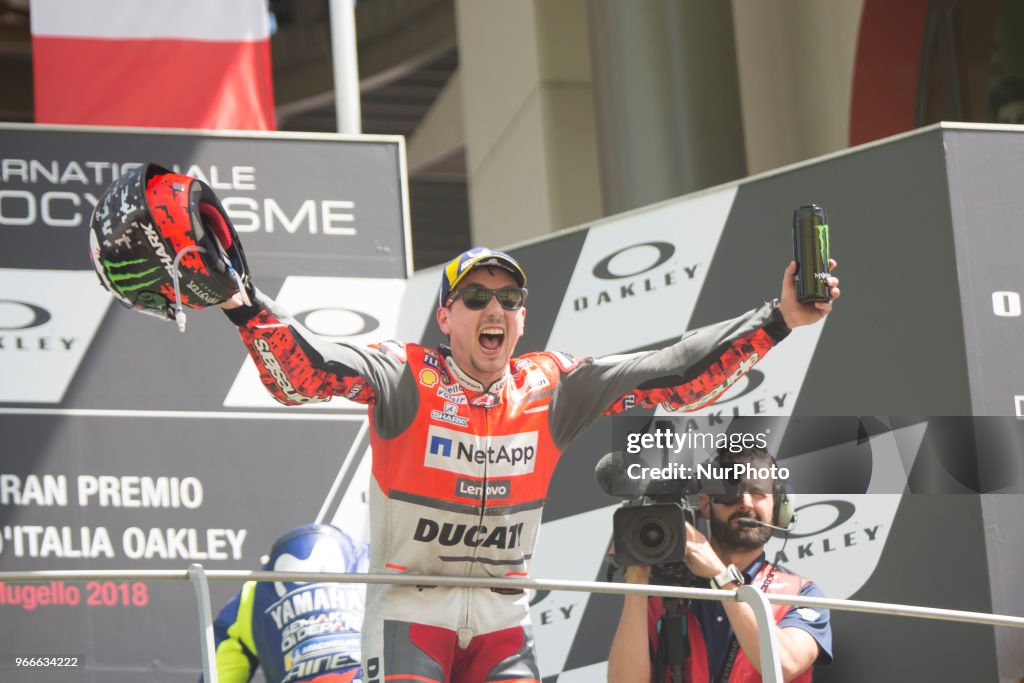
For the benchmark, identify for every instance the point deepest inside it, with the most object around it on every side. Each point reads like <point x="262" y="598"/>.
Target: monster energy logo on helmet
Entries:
<point x="123" y="280"/>
<point x="143" y="226"/>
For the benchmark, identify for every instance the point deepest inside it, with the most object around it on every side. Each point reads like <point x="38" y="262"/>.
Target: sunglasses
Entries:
<point x="476" y="297"/>
<point x="734" y="493"/>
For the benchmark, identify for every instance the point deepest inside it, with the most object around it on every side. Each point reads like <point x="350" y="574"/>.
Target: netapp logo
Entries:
<point x="634" y="266"/>
<point x="337" y="322"/>
<point x="495" y="489"/>
<point x="509" y="455"/>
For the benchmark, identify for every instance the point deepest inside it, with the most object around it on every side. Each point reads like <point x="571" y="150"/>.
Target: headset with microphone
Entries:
<point x="783" y="502"/>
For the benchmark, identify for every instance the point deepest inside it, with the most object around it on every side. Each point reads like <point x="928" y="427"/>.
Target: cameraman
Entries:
<point x="722" y="636"/>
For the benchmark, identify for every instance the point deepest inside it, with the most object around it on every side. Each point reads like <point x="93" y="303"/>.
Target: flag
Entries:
<point x="886" y="69"/>
<point x="159" y="63"/>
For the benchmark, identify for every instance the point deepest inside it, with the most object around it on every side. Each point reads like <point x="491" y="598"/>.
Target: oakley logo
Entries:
<point x="843" y="509"/>
<point x="337" y="322"/>
<point x="21" y="315"/>
<point x="630" y="270"/>
<point x="43" y="340"/>
<point x="633" y="259"/>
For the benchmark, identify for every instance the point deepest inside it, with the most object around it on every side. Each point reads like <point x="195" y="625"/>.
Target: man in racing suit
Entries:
<point x="296" y="632"/>
<point x="465" y="439"/>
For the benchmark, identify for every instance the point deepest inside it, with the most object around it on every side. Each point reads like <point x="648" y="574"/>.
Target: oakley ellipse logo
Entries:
<point x="45" y="332"/>
<point x="634" y="260"/>
<point x="21" y="315"/>
<point x="841" y="512"/>
<point x="630" y="270"/>
<point x="337" y="322"/>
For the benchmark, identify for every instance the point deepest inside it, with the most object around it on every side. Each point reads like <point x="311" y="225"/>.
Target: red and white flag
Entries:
<point x="160" y="63"/>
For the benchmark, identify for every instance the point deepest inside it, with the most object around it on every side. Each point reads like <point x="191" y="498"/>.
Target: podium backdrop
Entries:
<point x="168" y="443"/>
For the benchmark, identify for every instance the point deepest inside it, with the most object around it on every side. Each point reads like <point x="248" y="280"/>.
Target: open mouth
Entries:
<point x="491" y="338"/>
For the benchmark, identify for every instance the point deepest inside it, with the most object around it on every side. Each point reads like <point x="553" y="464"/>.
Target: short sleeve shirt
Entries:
<point x="718" y="633"/>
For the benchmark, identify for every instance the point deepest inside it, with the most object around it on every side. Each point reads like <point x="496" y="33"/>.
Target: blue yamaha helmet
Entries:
<point x="315" y="548"/>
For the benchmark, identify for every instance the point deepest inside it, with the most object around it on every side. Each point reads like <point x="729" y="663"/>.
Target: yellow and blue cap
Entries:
<point x="477" y="257"/>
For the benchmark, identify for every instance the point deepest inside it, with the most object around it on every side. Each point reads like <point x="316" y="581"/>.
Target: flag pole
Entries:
<point x="346" y="66"/>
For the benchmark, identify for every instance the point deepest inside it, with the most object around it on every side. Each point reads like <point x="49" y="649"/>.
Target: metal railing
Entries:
<point x="760" y="603"/>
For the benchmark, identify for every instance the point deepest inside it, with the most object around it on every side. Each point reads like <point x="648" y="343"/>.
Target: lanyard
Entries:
<point x="735" y="647"/>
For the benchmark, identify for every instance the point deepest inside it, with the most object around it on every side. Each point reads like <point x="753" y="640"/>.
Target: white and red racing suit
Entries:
<point x="460" y="471"/>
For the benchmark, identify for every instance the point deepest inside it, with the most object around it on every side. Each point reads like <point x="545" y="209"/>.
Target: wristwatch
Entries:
<point x="729" y="575"/>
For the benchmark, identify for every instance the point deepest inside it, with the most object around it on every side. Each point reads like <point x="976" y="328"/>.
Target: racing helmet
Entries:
<point x="315" y="548"/>
<point x="160" y="240"/>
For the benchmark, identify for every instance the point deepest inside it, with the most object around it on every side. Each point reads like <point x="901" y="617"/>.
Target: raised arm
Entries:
<point x="298" y="367"/>
<point x="687" y="375"/>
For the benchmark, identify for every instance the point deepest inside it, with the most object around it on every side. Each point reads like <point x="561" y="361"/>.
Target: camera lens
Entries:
<point x="652" y="534"/>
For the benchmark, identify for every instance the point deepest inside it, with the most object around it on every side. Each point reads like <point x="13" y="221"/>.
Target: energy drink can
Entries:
<point x="810" y="250"/>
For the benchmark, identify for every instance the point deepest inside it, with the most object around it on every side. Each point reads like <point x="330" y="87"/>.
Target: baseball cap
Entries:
<point x="477" y="257"/>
